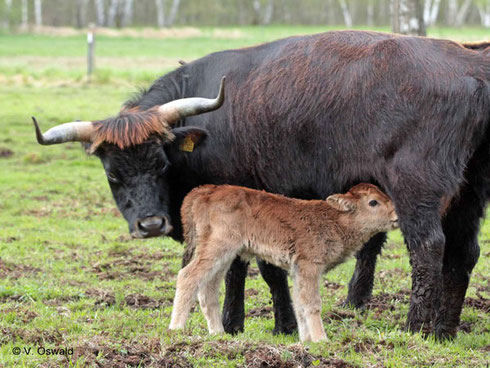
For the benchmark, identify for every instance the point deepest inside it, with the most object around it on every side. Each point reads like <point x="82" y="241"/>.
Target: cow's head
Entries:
<point x="134" y="148"/>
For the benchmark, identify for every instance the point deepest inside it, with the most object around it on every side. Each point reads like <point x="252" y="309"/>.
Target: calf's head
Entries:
<point x="367" y="208"/>
<point x="134" y="148"/>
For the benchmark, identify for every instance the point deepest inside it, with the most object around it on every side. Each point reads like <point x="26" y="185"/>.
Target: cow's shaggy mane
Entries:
<point x="131" y="127"/>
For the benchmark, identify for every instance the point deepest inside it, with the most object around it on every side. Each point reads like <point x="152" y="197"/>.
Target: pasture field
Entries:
<point x="71" y="277"/>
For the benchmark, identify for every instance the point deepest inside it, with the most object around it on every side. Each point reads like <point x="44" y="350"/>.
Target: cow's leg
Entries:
<point x="277" y="279"/>
<point x="233" y="306"/>
<point x="420" y="222"/>
<point x="361" y="284"/>
<point x="461" y="226"/>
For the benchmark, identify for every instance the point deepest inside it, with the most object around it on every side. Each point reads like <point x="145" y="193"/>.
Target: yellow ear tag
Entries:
<point x="187" y="144"/>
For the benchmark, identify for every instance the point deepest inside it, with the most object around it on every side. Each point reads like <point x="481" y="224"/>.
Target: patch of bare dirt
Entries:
<point x="253" y="272"/>
<point x="262" y="356"/>
<point x="367" y="345"/>
<point x="392" y="273"/>
<point x="260" y="312"/>
<point x="32" y="336"/>
<point x="15" y="271"/>
<point x="333" y="285"/>
<point x="128" y="265"/>
<point x="98" y="353"/>
<point x="9" y="239"/>
<point x="466" y="327"/>
<point x="251" y="292"/>
<point x="60" y="300"/>
<point x="385" y="301"/>
<point x="481" y="303"/>
<point x="391" y="256"/>
<point x="13" y="298"/>
<point x="144" y="302"/>
<point x="339" y="315"/>
<point x="5" y="152"/>
<point x="23" y="314"/>
<point x="103" y="298"/>
<point x="288" y="357"/>
<point x="148" y="352"/>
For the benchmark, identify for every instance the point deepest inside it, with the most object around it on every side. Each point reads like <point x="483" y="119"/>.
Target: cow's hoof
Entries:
<point x="355" y="303"/>
<point x="286" y="329"/>
<point x="444" y="334"/>
<point x="419" y="327"/>
<point x="233" y="328"/>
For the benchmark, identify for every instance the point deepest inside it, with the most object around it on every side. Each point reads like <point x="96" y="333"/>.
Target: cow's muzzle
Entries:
<point x="152" y="226"/>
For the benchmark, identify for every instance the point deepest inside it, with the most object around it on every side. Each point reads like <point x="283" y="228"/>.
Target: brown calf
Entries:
<point x="305" y="237"/>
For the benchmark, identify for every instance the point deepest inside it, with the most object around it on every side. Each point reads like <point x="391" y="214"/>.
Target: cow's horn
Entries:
<point x="184" y="107"/>
<point x="80" y="131"/>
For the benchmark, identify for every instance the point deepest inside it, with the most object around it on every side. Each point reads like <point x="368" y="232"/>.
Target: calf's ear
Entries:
<point x="187" y="138"/>
<point x="341" y="202"/>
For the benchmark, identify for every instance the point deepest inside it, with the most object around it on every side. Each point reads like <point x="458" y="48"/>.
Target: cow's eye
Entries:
<point x="165" y="168"/>
<point x="112" y="177"/>
<point x="373" y="203"/>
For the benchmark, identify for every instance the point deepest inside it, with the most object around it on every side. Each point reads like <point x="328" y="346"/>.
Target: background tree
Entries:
<point x="100" y="12"/>
<point x="38" y="12"/>
<point x="25" y="14"/>
<point x="408" y="17"/>
<point x="6" y="14"/>
<point x="346" y="13"/>
<point x="431" y="11"/>
<point x="483" y="7"/>
<point x="166" y="13"/>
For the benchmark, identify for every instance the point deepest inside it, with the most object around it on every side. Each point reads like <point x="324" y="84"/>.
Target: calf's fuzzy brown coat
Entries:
<point x="305" y="237"/>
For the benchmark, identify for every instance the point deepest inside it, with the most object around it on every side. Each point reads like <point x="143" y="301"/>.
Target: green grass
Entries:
<point x="40" y="60"/>
<point x="70" y="276"/>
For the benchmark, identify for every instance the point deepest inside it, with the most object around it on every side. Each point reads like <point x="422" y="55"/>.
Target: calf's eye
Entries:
<point x="373" y="203"/>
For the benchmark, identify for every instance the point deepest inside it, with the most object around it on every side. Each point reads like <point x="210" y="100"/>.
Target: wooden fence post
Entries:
<point x="90" y="50"/>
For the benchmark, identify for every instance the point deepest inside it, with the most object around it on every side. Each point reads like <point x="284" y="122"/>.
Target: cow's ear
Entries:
<point x="87" y="147"/>
<point x="341" y="202"/>
<point x="187" y="138"/>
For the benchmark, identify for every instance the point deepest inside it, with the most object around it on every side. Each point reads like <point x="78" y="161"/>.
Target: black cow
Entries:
<point x="307" y="117"/>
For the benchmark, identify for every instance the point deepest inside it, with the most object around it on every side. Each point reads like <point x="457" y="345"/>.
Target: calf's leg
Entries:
<point x="361" y="283"/>
<point x="187" y="287"/>
<point x="306" y="295"/>
<point x="191" y="278"/>
<point x="276" y="278"/>
<point x="461" y="225"/>
<point x="209" y="301"/>
<point x="299" y="312"/>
